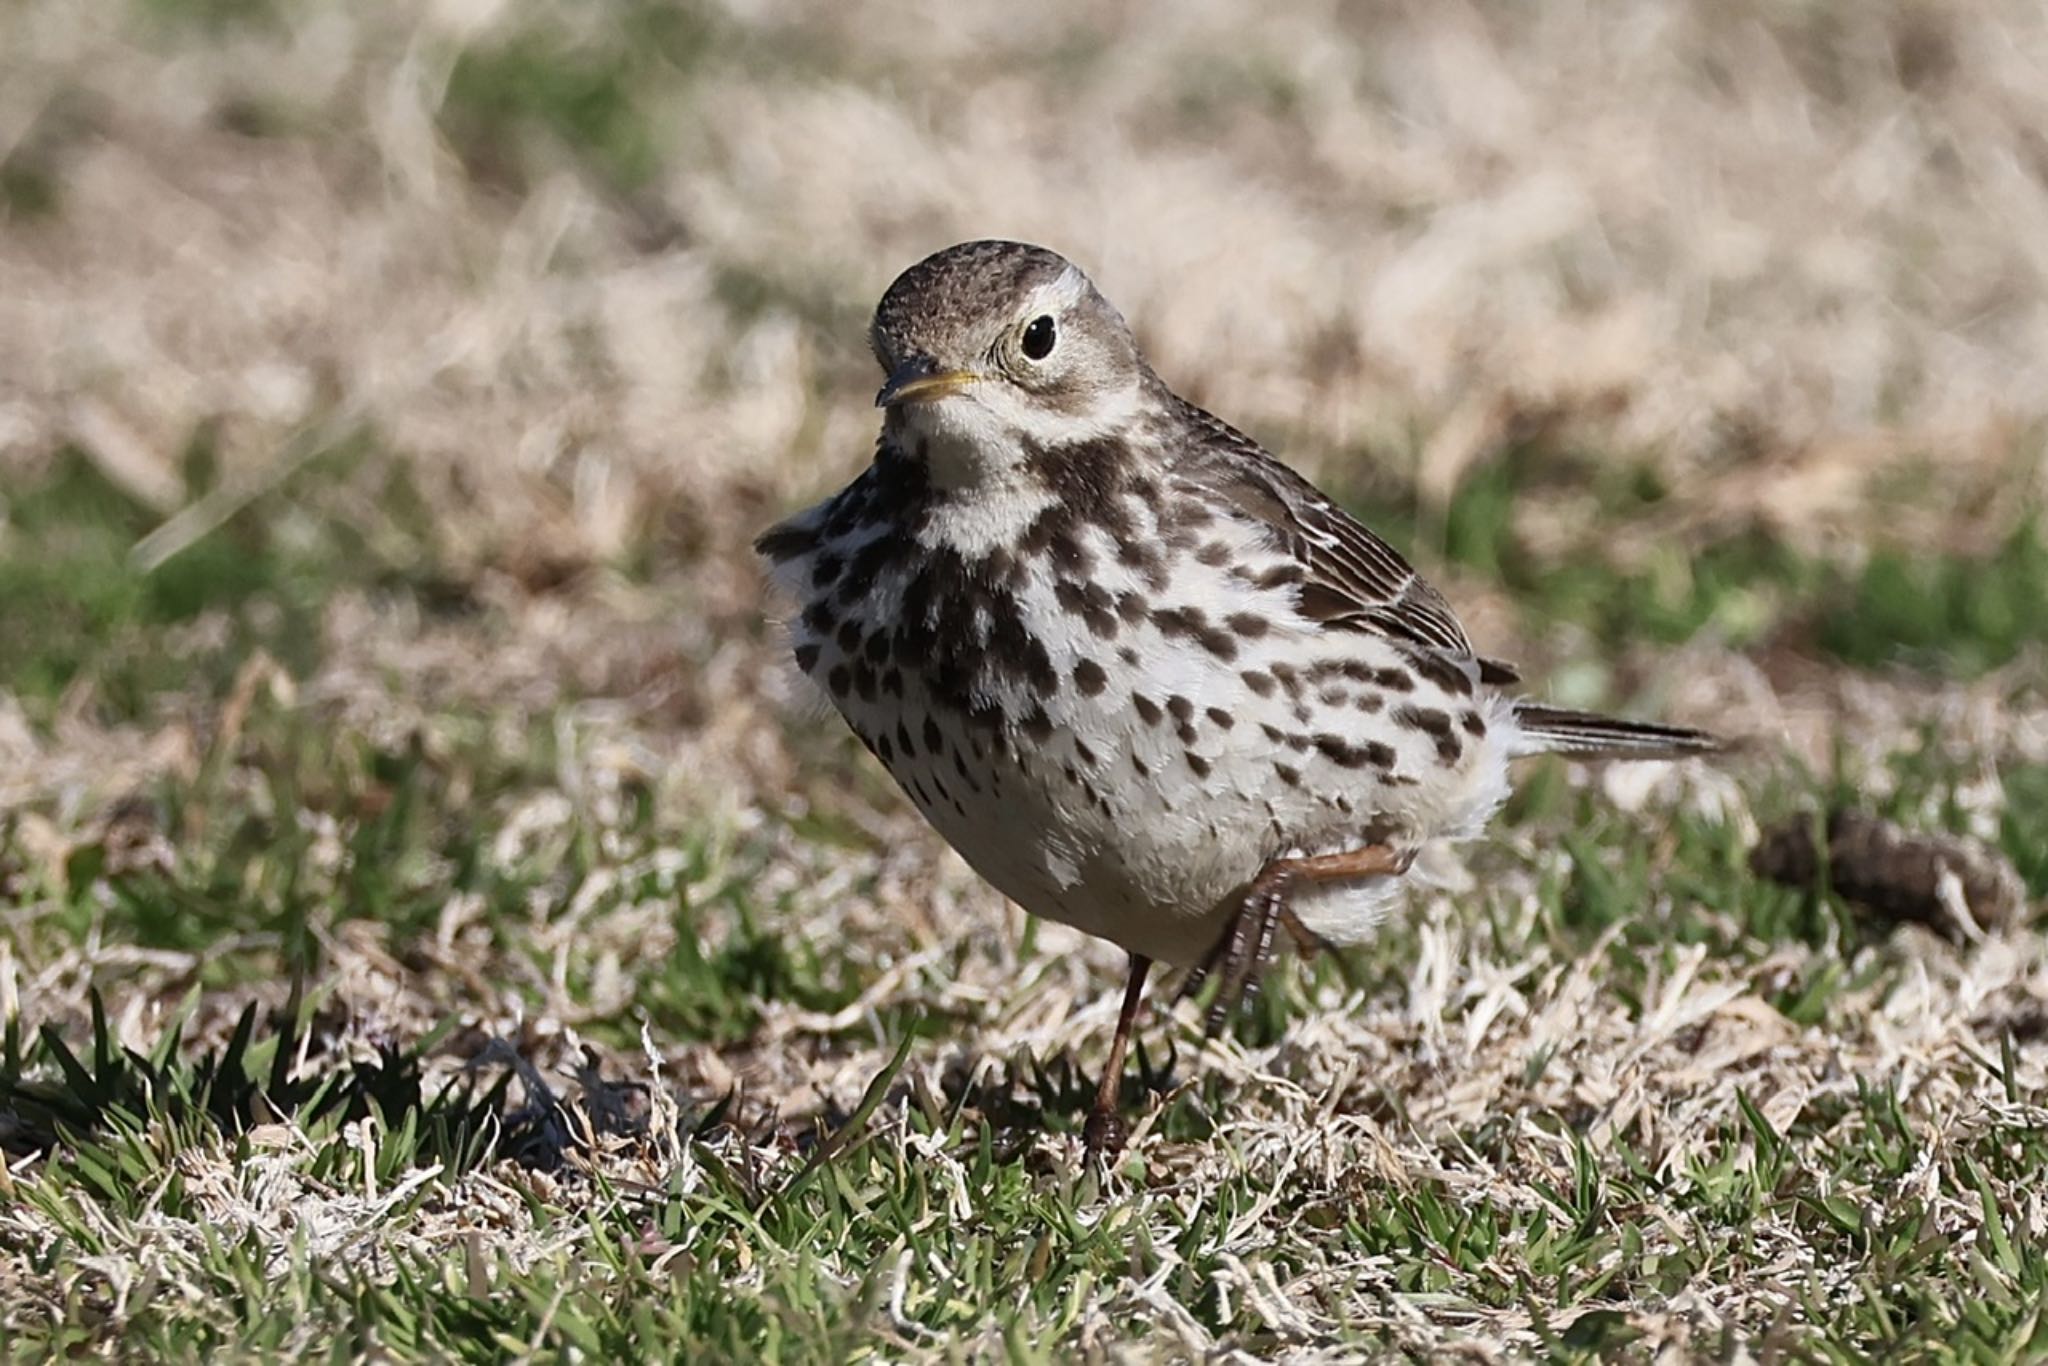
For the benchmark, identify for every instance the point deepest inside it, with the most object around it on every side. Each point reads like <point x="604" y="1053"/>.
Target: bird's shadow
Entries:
<point x="1020" y="1096"/>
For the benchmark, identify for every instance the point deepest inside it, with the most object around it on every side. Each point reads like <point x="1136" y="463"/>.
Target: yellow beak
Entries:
<point x="918" y="380"/>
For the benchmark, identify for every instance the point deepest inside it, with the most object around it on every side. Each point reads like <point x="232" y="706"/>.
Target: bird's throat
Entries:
<point x="964" y="451"/>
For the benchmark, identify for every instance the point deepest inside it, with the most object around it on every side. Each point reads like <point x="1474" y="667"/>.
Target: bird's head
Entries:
<point x="992" y="348"/>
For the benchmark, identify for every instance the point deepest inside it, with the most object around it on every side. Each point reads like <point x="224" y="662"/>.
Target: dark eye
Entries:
<point x="1038" y="338"/>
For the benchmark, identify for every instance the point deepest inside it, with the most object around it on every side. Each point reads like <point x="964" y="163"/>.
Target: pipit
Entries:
<point x="1145" y="678"/>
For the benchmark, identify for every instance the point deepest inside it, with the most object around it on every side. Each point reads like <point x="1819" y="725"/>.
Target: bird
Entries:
<point x="1146" y="679"/>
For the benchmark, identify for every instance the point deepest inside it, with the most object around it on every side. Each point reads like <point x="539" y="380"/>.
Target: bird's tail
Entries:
<point x="1586" y="735"/>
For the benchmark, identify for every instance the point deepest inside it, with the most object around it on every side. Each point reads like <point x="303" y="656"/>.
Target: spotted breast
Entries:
<point x="1112" y="704"/>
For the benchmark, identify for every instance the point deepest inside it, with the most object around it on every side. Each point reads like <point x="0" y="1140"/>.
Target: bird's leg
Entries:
<point x="1306" y="941"/>
<point x="1244" y="945"/>
<point x="1104" y="1131"/>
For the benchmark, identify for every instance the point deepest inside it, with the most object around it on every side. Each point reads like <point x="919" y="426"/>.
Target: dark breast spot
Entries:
<point x="786" y="542"/>
<point x="849" y="510"/>
<point x="1038" y="668"/>
<point x="1347" y="755"/>
<point x="1014" y="652"/>
<point x="1436" y="725"/>
<point x="1091" y="602"/>
<point x="1193" y="624"/>
<point x="1443" y="672"/>
<point x="1089" y="678"/>
<point x="1146" y="560"/>
<point x="912" y="643"/>
<point x="1093" y="479"/>
<point x="867" y="562"/>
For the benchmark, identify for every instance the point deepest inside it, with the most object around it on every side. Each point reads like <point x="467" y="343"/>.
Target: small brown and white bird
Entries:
<point x="1146" y="679"/>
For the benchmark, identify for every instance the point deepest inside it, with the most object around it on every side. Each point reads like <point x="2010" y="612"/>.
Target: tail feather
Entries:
<point x="1587" y="735"/>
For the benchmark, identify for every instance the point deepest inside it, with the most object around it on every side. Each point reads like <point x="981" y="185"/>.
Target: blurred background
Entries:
<point x="389" y="392"/>
<point x="456" y="349"/>
<point x="422" y="371"/>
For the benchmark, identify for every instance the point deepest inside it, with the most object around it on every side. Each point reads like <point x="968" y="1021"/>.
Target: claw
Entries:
<point x="1251" y="944"/>
<point x="1241" y="950"/>
<point x="1104" y="1134"/>
<point x="1245" y="945"/>
<point x="1306" y="941"/>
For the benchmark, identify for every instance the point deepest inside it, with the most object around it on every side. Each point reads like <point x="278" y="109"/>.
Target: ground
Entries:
<point x="436" y="926"/>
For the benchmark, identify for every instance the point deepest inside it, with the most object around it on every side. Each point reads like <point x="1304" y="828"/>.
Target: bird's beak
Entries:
<point x="919" y="380"/>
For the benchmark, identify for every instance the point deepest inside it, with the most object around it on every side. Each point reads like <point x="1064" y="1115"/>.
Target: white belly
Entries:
<point x="1147" y="765"/>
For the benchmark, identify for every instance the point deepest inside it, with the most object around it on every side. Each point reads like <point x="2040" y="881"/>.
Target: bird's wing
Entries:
<point x="1352" y="580"/>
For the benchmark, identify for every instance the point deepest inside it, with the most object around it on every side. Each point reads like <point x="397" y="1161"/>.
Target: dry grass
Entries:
<point x="497" y="329"/>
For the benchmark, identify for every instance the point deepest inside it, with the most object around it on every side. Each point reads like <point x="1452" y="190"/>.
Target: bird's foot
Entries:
<point x="1242" y="950"/>
<point x="1104" y="1134"/>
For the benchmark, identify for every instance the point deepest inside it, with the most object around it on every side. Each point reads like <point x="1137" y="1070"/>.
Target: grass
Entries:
<point x="88" y="614"/>
<point x="924" y="1227"/>
<point x="944" y="1203"/>
<point x="427" y="931"/>
<point x="441" y="1195"/>
<point x="919" y="1222"/>
<point x="1953" y="614"/>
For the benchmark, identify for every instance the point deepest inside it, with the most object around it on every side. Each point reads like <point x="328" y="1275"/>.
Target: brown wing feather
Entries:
<point x="1498" y="671"/>
<point x="1355" y="580"/>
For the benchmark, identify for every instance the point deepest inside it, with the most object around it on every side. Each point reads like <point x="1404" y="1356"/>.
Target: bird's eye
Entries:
<point x="1038" y="337"/>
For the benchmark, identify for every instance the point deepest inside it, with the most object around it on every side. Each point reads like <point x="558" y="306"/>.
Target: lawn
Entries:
<point x="434" y="925"/>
